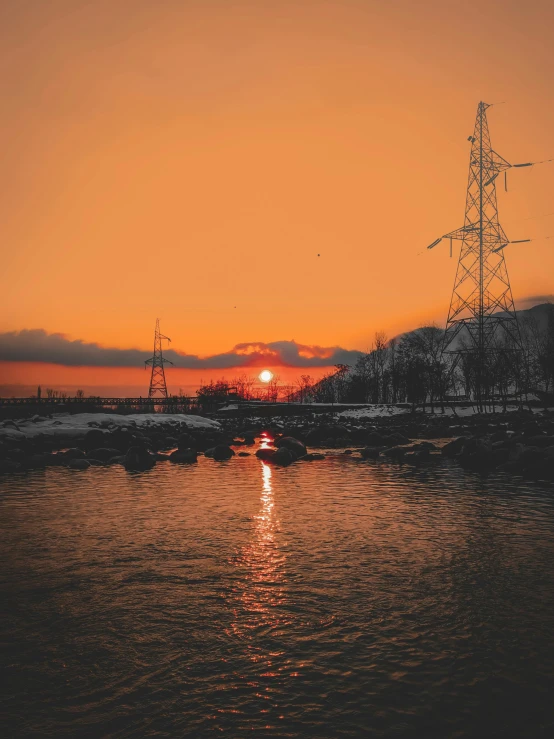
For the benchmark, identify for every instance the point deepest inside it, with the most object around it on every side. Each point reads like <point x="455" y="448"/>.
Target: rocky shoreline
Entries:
<point x="517" y="443"/>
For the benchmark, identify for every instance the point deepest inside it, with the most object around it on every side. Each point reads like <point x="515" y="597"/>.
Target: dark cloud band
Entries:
<point x="37" y="345"/>
<point x="536" y="300"/>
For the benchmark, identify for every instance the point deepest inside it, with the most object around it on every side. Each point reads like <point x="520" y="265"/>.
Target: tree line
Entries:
<point x="414" y="369"/>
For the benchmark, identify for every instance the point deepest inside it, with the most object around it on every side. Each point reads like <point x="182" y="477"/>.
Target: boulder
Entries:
<point x="284" y="457"/>
<point x="374" y="439"/>
<point x="416" y="456"/>
<point x="421" y="445"/>
<point x="266" y="455"/>
<point x="206" y="442"/>
<point x="454" y="447"/>
<point x="311" y="457"/>
<point x="315" y="436"/>
<point x="10" y="465"/>
<point x="478" y="454"/>
<point x="294" y="446"/>
<point x="70" y="454"/>
<point x="17" y="455"/>
<point x="78" y="464"/>
<point x="54" y="459"/>
<point x="121" y="439"/>
<point x="320" y="434"/>
<point x="222" y="452"/>
<point x="396" y="453"/>
<point x="397" y="438"/>
<point x="138" y="459"/>
<point x="541" y="441"/>
<point x="38" y="461"/>
<point x="544" y="470"/>
<point x="370" y="452"/>
<point x="94" y="439"/>
<point x="103" y="454"/>
<point x="182" y="456"/>
<point x="341" y="442"/>
<point x="512" y="467"/>
<point x="185" y="442"/>
<point x="530" y="455"/>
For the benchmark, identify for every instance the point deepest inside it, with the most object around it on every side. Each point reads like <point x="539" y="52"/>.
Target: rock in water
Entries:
<point x="266" y="455"/>
<point x="73" y="454"/>
<point x="294" y="446"/>
<point x="311" y="457"/>
<point x="396" y="453"/>
<point x="183" y="456"/>
<point x="185" y="442"/>
<point x="477" y="454"/>
<point x="222" y="452"/>
<point x="38" y="461"/>
<point x="454" y="447"/>
<point x="138" y="459"/>
<point x="374" y="439"/>
<point x="10" y="465"/>
<point x="284" y="457"/>
<point x="370" y="452"/>
<point x="103" y="454"/>
<point x="78" y="464"/>
<point x="94" y="439"/>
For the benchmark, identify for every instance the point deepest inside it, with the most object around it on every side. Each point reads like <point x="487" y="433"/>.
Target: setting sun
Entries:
<point x="266" y="376"/>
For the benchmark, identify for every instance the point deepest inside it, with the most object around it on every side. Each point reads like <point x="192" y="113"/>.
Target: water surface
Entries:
<point x="336" y="598"/>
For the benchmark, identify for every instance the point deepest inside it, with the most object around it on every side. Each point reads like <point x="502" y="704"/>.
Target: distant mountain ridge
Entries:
<point x="537" y="313"/>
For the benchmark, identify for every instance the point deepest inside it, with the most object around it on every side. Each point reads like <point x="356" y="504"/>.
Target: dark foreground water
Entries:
<point x="331" y="599"/>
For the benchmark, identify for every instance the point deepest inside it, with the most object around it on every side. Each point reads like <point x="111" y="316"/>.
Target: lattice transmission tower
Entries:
<point x="158" y="387"/>
<point x="482" y="311"/>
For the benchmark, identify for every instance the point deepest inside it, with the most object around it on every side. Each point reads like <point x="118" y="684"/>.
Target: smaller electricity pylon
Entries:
<point x="158" y="385"/>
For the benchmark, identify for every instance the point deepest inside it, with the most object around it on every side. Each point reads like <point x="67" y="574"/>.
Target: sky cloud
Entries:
<point x="36" y="345"/>
<point x="531" y="300"/>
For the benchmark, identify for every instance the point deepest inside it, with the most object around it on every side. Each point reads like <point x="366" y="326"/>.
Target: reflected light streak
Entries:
<point x="261" y="593"/>
<point x="265" y="442"/>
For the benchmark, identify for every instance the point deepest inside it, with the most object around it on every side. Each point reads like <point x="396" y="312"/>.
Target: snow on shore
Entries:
<point x="75" y="426"/>
<point x="373" y="411"/>
<point x="385" y="411"/>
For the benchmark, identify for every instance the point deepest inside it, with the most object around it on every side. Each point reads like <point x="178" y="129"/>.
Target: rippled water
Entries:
<point x="331" y="599"/>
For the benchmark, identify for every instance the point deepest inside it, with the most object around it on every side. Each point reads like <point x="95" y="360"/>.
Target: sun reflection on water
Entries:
<point x="262" y="562"/>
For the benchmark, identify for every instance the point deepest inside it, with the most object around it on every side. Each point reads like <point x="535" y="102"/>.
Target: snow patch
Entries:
<point x="374" y="411"/>
<point x="66" y="426"/>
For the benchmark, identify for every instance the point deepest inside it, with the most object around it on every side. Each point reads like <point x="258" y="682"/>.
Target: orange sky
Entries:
<point x="133" y="382"/>
<point x="181" y="158"/>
